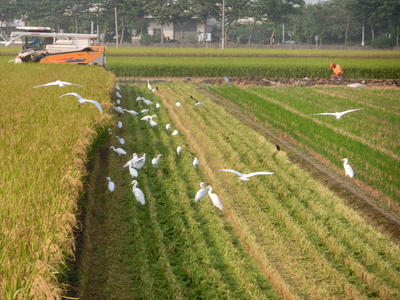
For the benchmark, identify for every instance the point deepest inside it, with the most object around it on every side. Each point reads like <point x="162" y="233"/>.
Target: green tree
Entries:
<point x="181" y="14"/>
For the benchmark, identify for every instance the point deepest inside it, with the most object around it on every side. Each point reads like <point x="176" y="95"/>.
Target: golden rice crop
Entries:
<point x="45" y="142"/>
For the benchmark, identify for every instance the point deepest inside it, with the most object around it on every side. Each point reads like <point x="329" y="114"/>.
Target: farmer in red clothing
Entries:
<point x="337" y="71"/>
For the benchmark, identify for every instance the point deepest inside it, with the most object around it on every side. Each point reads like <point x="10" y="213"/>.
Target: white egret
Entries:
<point x="119" y="124"/>
<point x="140" y="99"/>
<point x="148" y="117"/>
<point x="154" y="89"/>
<point x="227" y="79"/>
<point x="245" y="177"/>
<point x="134" y="173"/>
<point x="148" y="102"/>
<point x="111" y="185"/>
<point x="117" y="87"/>
<point x="82" y="100"/>
<point x="119" y="151"/>
<point x="134" y="158"/>
<point x="356" y="85"/>
<point x="168" y="126"/>
<point x="7" y="43"/>
<point x="149" y="85"/>
<point x="152" y="123"/>
<point x="179" y="150"/>
<point x="158" y="105"/>
<point x="118" y="101"/>
<point x="201" y="192"/>
<point x="338" y="115"/>
<point x="214" y="198"/>
<point x="132" y="112"/>
<point x="118" y="109"/>
<point x="155" y="160"/>
<point x="178" y="104"/>
<point x="16" y="60"/>
<point x="118" y="95"/>
<point x="120" y="140"/>
<point x="347" y="168"/>
<point x="175" y="132"/>
<point x="109" y="131"/>
<point x="143" y="111"/>
<point x="59" y="83"/>
<point x="196" y="162"/>
<point x="139" y="163"/>
<point x="199" y="103"/>
<point x="138" y="193"/>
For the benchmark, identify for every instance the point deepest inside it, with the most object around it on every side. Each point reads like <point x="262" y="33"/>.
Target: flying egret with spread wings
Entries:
<point x="338" y="115"/>
<point x="82" y="100"/>
<point x="246" y="177"/>
<point x="59" y="83"/>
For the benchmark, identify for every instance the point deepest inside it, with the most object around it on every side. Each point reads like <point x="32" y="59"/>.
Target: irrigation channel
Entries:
<point x="175" y="248"/>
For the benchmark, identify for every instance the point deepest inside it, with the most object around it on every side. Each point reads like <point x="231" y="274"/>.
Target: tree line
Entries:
<point x="346" y="22"/>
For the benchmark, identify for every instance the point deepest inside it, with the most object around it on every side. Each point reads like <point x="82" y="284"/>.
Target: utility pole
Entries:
<point x="116" y="28"/>
<point x="223" y="25"/>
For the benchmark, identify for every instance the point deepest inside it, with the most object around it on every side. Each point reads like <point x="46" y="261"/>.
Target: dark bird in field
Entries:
<point x="277" y="147"/>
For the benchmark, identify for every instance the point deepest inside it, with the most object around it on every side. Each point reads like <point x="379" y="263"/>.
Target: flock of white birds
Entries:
<point x="136" y="163"/>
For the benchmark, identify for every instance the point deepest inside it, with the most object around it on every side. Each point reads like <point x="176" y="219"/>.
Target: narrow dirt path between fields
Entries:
<point x="356" y="198"/>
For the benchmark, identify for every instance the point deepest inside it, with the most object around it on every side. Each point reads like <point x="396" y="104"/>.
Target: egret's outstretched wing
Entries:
<point x="232" y="171"/>
<point x="259" y="173"/>
<point x="9" y="42"/>
<point x="97" y="104"/>
<point x="347" y="111"/>
<point x="323" y="114"/>
<point x="74" y="94"/>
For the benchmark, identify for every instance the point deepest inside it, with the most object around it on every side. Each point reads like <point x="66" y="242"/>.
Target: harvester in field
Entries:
<point x="41" y="44"/>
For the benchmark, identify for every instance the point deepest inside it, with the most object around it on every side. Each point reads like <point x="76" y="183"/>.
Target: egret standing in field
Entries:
<point x="119" y="124"/>
<point x="245" y="177"/>
<point x="119" y="110"/>
<point x="158" y="105"/>
<point x="196" y="162"/>
<point x="82" y="101"/>
<point x="134" y="158"/>
<point x="119" y="151"/>
<point x="347" y="168"/>
<point x="168" y="126"/>
<point x="132" y="112"/>
<point x="338" y="115"/>
<point x="201" y="192"/>
<point x="179" y="150"/>
<point x="149" y="85"/>
<point x="120" y="140"/>
<point x="117" y="87"/>
<point x="214" y="198"/>
<point x="178" y="104"/>
<point x="227" y="79"/>
<point x="155" y="160"/>
<point x="175" y="132"/>
<point x="111" y="185"/>
<point x="132" y="171"/>
<point x="138" y="193"/>
<point x="59" y="83"/>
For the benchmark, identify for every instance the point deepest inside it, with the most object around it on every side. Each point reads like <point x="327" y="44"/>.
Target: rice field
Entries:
<point x="369" y="137"/>
<point x="281" y="236"/>
<point x="45" y="141"/>
<point x="291" y="67"/>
